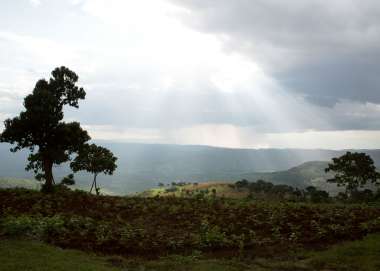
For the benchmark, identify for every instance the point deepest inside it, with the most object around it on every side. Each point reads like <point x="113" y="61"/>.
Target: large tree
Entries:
<point x="94" y="159"/>
<point x="40" y="127"/>
<point x="353" y="170"/>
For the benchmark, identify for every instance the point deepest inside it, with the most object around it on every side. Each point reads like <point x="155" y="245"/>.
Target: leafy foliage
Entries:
<point x="353" y="170"/>
<point x="151" y="226"/>
<point x="40" y="127"/>
<point x="68" y="180"/>
<point x="94" y="159"/>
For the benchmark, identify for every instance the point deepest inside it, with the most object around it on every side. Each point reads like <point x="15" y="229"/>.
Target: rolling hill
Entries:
<point x="143" y="166"/>
<point x="306" y="174"/>
<point x="301" y="175"/>
<point x="309" y="173"/>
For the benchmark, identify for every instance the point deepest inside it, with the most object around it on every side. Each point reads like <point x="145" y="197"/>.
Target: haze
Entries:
<point x="242" y="73"/>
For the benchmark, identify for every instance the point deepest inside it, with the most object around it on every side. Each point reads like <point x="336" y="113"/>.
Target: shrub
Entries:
<point x="44" y="228"/>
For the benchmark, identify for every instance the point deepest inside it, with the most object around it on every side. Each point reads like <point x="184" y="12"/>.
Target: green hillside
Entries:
<point x="309" y="173"/>
<point x="142" y="166"/>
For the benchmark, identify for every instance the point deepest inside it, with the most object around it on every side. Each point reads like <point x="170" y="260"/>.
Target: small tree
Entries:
<point x="241" y="184"/>
<point x="353" y="170"/>
<point x="94" y="159"/>
<point x="68" y="180"/>
<point x="316" y="195"/>
<point x="40" y="128"/>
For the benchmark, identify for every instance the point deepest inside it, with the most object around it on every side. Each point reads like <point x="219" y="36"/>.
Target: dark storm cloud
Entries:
<point x="325" y="50"/>
<point x="164" y="76"/>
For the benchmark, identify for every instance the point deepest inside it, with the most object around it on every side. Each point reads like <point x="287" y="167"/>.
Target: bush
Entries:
<point x="44" y="228"/>
<point x="19" y="226"/>
<point x="68" y="180"/>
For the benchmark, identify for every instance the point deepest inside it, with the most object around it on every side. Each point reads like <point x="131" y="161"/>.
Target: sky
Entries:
<point x="239" y="74"/>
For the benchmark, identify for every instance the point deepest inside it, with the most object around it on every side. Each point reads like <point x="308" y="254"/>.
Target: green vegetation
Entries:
<point x="36" y="256"/>
<point x="191" y="190"/>
<point x="301" y="176"/>
<point x="362" y="255"/>
<point x="152" y="226"/>
<point x="190" y="226"/>
<point x="41" y="129"/>
<point x="274" y="227"/>
<point x="259" y="191"/>
<point x="94" y="159"/>
<point x="51" y="141"/>
<point x="350" y="256"/>
<point x="143" y="166"/>
<point x="354" y="171"/>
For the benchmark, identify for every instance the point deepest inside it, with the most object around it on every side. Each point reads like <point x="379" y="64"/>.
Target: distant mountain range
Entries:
<point x="142" y="166"/>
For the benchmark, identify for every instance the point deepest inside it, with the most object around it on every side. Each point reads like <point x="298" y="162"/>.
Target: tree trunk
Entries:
<point x="93" y="184"/>
<point x="96" y="186"/>
<point x="48" y="171"/>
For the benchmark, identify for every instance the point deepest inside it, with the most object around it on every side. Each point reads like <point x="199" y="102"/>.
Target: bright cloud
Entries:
<point x="170" y="72"/>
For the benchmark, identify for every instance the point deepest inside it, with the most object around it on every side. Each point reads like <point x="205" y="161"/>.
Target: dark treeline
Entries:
<point x="261" y="189"/>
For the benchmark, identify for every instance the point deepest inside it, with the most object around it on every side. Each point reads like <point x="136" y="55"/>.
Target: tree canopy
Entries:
<point x="353" y="170"/>
<point x="94" y="159"/>
<point x="40" y="127"/>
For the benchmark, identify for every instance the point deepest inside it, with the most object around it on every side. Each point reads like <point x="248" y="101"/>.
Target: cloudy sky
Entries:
<point x="241" y="73"/>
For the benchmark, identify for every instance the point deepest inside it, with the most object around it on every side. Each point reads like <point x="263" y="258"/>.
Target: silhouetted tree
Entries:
<point x="68" y="180"/>
<point x="94" y="159"/>
<point x="260" y="186"/>
<point x="362" y="196"/>
<point x="213" y="191"/>
<point x="241" y="184"/>
<point x="282" y="189"/>
<point x="311" y="189"/>
<point x="40" y="127"/>
<point x="299" y="194"/>
<point x="320" y="196"/>
<point x="353" y="170"/>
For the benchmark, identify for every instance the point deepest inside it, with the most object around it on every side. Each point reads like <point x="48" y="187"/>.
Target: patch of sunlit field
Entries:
<point x="209" y="189"/>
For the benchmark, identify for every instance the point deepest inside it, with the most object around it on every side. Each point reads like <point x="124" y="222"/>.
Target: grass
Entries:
<point x="36" y="256"/>
<point x="351" y="256"/>
<point x="362" y="255"/>
<point x="6" y="183"/>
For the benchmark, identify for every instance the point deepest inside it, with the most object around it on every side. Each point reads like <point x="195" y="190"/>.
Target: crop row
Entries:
<point x="159" y="225"/>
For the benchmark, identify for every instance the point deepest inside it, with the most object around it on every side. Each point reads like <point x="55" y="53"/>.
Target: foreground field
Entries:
<point x="363" y="255"/>
<point x="152" y="227"/>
